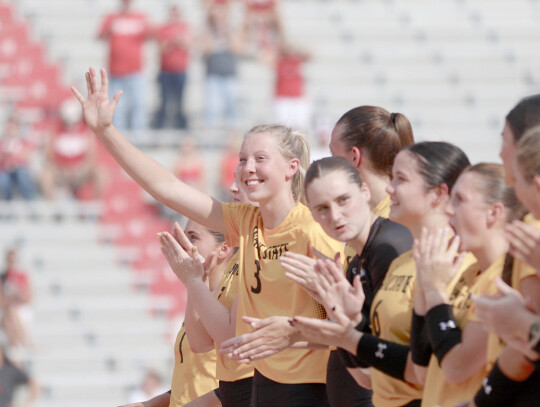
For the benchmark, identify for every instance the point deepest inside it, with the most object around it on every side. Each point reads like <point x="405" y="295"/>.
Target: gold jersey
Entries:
<point x="383" y="207"/>
<point x="437" y="390"/>
<point x="391" y="316"/>
<point x="522" y="270"/>
<point x="265" y="291"/>
<point x="194" y="374"/>
<point x="226" y="369"/>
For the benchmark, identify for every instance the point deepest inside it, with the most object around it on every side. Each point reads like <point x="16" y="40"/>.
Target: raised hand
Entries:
<point x="524" y="243"/>
<point x="437" y="259"/>
<point x="335" y="291"/>
<point x="187" y="267"/>
<point x="98" y="110"/>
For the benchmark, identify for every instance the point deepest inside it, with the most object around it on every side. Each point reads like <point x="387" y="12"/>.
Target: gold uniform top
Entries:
<point x="437" y="390"/>
<point x="383" y="207"/>
<point x="194" y="374"/>
<point x="382" y="210"/>
<point x="265" y="291"/>
<point x="391" y="316"/>
<point x="520" y="269"/>
<point x="226" y="369"/>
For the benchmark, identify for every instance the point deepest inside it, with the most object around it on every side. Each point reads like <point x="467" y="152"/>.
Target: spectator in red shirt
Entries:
<point x="126" y="32"/>
<point x="263" y="27"/>
<point x="70" y="159"/>
<point x="15" y="153"/>
<point x="290" y="103"/>
<point x="174" y="39"/>
<point x="16" y="296"/>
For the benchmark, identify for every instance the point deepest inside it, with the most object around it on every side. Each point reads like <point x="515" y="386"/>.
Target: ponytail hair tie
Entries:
<point x="393" y="117"/>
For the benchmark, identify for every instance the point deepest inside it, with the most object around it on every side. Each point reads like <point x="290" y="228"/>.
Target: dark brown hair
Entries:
<point x="524" y="115"/>
<point x="327" y="165"/>
<point x="378" y="133"/>
<point x="439" y="162"/>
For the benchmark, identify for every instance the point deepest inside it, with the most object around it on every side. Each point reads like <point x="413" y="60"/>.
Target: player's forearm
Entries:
<point x="160" y="182"/>
<point x="514" y="365"/>
<point x="199" y="339"/>
<point x="214" y="316"/>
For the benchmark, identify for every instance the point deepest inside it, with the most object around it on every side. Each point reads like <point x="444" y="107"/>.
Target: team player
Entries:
<point x="512" y="367"/>
<point x="272" y="163"/>
<point x="210" y="316"/>
<point x="369" y="137"/>
<point x="481" y="205"/>
<point x="514" y="380"/>
<point x="339" y="201"/>
<point x="423" y="175"/>
<point x="194" y="375"/>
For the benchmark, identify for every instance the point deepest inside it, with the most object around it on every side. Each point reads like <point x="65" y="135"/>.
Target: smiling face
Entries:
<point x="409" y="196"/>
<point x="339" y="205"/>
<point x="507" y="153"/>
<point x="468" y="212"/>
<point x="263" y="173"/>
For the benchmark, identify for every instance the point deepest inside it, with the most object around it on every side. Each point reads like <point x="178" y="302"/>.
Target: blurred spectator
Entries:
<point x="126" y="32"/>
<point x="11" y="378"/>
<point x="190" y="166"/>
<point x="150" y="387"/>
<point x="263" y="27"/>
<point x="15" y="154"/>
<point x="229" y="161"/>
<point x="221" y="45"/>
<point x="70" y="160"/>
<point x="16" y="301"/>
<point x="290" y="103"/>
<point x="174" y="39"/>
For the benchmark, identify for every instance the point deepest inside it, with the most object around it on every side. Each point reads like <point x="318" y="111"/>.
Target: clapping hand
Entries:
<point x="185" y="261"/>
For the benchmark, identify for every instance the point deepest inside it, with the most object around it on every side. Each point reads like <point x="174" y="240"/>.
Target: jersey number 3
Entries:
<point x="257" y="289"/>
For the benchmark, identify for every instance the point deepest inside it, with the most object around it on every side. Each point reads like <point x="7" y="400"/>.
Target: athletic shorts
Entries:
<point x="237" y="393"/>
<point x="268" y="393"/>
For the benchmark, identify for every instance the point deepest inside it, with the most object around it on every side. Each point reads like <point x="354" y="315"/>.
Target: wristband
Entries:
<point x="420" y="346"/>
<point x="443" y="330"/>
<point x="349" y="360"/>
<point x="497" y="389"/>
<point x="386" y="356"/>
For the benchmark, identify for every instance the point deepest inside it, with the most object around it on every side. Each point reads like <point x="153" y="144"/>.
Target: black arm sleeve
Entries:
<point x="420" y="346"/>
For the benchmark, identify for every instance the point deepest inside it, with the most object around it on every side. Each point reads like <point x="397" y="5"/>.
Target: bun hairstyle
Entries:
<point x="528" y="154"/>
<point x="378" y="133"/>
<point x="291" y="144"/>
<point x="439" y="162"/>
<point x="327" y="165"/>
<point x="525" y="115"/>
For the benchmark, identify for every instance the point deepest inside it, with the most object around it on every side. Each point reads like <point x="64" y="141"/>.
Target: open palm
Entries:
<point x="98" y="110"/>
